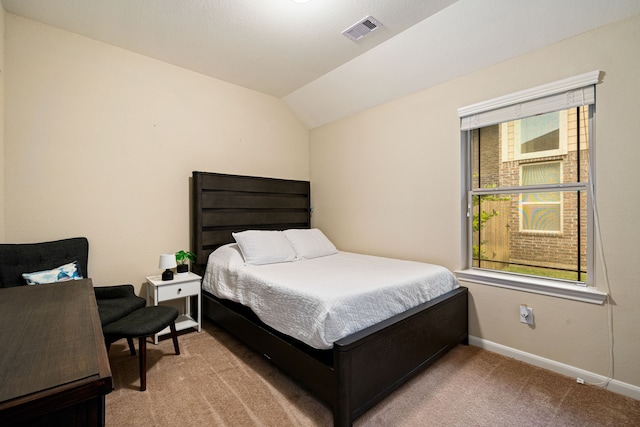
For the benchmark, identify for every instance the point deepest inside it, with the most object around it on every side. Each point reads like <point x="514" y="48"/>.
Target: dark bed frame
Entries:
<point x="361" y="369"/>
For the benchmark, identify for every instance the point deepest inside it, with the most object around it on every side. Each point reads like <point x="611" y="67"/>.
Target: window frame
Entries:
<point x="492" y="112"/>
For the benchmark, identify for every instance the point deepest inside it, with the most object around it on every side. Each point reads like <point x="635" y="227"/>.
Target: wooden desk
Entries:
<point x="54" y="368"/>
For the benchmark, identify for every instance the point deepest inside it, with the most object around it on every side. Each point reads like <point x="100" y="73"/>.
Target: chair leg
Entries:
<point x="174" y="337"/>
<point x="132" y="349"/>
<point x="142" y="349"/>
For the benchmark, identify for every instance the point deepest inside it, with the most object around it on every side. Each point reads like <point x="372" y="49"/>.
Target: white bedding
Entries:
<point x="319" y="301"/>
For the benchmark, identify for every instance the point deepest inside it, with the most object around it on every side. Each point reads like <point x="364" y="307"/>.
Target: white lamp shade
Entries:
<point x="167" y="261"/>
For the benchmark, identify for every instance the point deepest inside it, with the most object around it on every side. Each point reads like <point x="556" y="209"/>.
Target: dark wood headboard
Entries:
<point x="223" y="204"/>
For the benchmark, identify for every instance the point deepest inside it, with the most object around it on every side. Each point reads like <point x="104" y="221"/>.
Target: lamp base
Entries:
<point x="167" y="275"/>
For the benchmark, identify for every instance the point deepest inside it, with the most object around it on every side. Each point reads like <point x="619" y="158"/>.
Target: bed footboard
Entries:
<point x="374" y="362"/>
<point x="366" y="366"/>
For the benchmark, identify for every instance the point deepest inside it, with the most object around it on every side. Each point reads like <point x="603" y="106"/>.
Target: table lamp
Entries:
<point x="167" y="261"/>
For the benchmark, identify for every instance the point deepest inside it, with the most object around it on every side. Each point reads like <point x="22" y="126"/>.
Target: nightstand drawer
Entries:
<point x="167" y="292"/>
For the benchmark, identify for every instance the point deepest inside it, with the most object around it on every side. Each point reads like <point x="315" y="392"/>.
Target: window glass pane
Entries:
<point x="499" y="243"/>
<point x="540" y="217"/>
<point x="578" y="137"/>
<point x="486" y="157"/>
<point x="541" y="173"/>
<point x="501" y="152"/>
<point x="540" y="133"/>
<point x="541" y="211"/>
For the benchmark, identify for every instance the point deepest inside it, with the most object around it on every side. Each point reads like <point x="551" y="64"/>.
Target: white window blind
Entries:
<point x="560" y="95"/>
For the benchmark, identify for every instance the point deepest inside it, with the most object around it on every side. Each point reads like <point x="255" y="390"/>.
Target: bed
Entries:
<point x="361" y="368"/>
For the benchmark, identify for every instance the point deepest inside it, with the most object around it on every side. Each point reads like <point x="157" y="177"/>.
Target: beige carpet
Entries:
<point x="217" y="381"/>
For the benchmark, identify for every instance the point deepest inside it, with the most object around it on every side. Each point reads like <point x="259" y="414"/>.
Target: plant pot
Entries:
<point x="182" y="269"/>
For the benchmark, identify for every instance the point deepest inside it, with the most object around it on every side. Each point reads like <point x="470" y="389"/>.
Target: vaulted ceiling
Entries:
<point x="297" y="52"/>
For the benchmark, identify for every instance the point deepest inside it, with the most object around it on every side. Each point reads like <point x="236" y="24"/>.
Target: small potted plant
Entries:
<point x="181" y="258"/>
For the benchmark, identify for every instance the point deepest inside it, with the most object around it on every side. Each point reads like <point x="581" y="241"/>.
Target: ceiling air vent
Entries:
<point x="362" y="28"/>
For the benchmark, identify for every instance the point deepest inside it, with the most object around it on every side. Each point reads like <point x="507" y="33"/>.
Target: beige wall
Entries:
<point x="387" y="181"/>
<point x="101" y="142"/>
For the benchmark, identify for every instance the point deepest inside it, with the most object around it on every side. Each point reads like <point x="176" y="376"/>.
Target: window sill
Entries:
<point x="536" y="285"/>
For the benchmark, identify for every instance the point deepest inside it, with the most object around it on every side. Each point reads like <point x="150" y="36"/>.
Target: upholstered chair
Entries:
<point x="114" y="302"/>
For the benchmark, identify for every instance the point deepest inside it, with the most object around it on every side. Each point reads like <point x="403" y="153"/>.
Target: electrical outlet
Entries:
<point x="526" y="314"/>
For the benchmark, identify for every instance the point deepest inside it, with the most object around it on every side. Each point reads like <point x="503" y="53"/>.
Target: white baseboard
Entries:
<point x="560" y="368"/>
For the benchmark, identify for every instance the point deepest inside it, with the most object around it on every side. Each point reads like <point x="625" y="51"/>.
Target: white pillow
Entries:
<point x="310" y="243"/>
<point x="228" y="255"/>
<point x="63" y="273"/>
<point x="264" y="247"/>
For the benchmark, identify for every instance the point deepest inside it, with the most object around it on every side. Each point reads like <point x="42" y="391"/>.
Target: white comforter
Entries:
<point x="322" y="300"/>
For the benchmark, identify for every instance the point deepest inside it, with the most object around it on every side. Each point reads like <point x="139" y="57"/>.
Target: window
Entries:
<point x="541" y="212"/>
<point x="541" y="135"/>
<point x="528" y="213"/>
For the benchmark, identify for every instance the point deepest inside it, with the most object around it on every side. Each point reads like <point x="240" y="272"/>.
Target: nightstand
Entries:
<point x="182" y="286"/>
